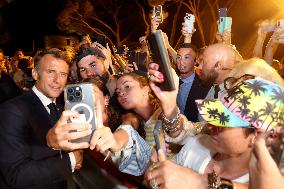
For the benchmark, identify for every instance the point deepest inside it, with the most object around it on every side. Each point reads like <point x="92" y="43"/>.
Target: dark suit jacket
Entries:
<point x="25" y="159"/>
<point x="197" y="91"/>
<point x="8" y="88"/>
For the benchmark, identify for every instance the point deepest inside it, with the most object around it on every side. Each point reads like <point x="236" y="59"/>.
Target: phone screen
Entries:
<point x="158" y="12"/>
<point x="101" y="40"/>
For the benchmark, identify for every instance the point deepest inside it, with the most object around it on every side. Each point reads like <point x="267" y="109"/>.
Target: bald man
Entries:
<point x="218" y="60"/>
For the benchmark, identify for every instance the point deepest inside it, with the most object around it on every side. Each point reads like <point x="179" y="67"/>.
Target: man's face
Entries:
<point x="185" y="60"/>
<point x="91" y="66"/>
<point x="208" y="73"/>
<point x="51" y="76"/>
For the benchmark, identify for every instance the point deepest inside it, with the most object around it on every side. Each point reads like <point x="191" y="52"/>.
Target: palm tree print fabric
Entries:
<point x="255" y="102"/>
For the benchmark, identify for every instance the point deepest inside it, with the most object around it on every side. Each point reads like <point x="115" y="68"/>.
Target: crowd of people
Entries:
<point x="222" y="125"/>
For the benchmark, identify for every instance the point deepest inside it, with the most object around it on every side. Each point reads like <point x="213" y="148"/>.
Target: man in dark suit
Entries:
<point x="25" y="159"/>
<point x="190" y="87"/>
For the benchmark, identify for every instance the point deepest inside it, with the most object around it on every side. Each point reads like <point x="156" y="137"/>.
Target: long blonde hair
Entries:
<point x="257" y="67"/>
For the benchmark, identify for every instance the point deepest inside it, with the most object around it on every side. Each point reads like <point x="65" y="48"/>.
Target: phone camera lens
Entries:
<point x="71" y="98"/>
<point x="78" y="93"/>
<point x="70" y="90"/>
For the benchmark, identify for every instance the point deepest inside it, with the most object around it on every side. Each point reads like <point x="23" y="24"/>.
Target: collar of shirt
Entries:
<point x="188" y="79"/>
<point x="44" y="99"/>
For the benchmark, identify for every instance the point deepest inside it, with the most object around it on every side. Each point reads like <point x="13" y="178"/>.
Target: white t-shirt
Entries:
<point x="196" y="155"/>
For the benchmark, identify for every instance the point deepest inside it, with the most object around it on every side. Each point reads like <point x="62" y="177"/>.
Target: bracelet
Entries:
<point x="171" y="125"/>
<point x="226" y="184"/>
<point x="213" y="182"/>
<point x="170" y="121"/>
<point x="218" y="183"/>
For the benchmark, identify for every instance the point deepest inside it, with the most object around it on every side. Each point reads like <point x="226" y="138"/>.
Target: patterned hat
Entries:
<point x="255" y="102"/>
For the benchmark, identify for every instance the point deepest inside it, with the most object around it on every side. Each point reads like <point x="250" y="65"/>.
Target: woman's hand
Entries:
<point x="166" y="174"/>
<point x="263" y="169"/>
<point x="167" y="98"/>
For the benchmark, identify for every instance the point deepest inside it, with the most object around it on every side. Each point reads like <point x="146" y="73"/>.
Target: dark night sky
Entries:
<point x="28" y="20"/>
<point x="20" y="20"/>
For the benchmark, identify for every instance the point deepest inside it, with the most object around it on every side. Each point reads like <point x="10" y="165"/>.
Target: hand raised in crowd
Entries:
<point x="167" y="98"/>
<point x="266" y="26"/>
<point x="224" y="37"/>
<point x="166" y="174"/>
<point x="186" y="33"/>
<point x="62" y="133"/>
<point x="167" y="44"/>
<point x="278" y="36"/>
<point x="106" y="51"/>
<point x="155" y="23"/>
<point x="263" y="169"/>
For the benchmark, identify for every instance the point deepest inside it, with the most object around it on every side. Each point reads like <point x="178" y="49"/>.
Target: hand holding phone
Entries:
<point x="189" y="20"/>
<point x="81" y="98"/>
<point x="158" y="12"/>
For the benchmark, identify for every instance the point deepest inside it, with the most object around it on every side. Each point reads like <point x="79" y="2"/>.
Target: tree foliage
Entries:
<point x="123" y="21"/>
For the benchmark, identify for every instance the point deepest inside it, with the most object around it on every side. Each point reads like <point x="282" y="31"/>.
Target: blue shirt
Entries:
<point x="184" y="89"/>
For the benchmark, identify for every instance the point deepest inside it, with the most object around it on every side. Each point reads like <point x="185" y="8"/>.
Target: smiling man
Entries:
<point x="25" y="159"/>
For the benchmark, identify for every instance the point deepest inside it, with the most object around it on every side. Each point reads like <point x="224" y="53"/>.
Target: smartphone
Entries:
<point x="101" y="40"/>
<point x="189" y="20"/>
<point x="123" y="49"/>
<point x="131" y="56"/>
<point x="158" y="12"/>
<point x="81" y="98"/>
<point x="159" y="55"/>
<point x="159" y="137"/>
<point x="280" y="23"/>
<point x="140" y="60"/>
<point x="225" y="22"/>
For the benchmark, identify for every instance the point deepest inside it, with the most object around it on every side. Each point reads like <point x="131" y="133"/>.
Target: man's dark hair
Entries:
<point x="189" y="46"/>
<point x="53" y="51"/>
<point x="85" y="51"/>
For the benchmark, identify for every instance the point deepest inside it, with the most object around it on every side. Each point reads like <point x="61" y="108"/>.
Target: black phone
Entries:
<point x="121" y="49"/>
<point x="159" y="55"/>
<point x="81" y="98"/>
<point x="222" y="12"/>
<point x="131" y="56"/>
<point x="101" y="39"/>
<point x="139" y="58"/>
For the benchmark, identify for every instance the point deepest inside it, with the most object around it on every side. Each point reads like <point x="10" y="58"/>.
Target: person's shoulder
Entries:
<point x="19" y="100"/>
